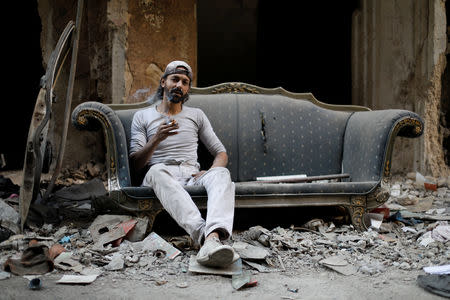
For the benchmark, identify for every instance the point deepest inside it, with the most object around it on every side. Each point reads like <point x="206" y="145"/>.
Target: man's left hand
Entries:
<point x="198" y="174"/>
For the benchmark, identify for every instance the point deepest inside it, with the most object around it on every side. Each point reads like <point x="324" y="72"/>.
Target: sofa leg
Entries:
<point x="150" y="209"/>
<point x="378" y="197"/>
<point x="357" y="209"/>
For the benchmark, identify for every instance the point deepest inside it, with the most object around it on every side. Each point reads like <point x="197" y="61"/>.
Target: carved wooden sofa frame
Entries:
<point x="251" y="122"/>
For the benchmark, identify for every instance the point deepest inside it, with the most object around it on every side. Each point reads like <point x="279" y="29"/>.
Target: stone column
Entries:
<point x="398" y="58"/>
<point x="117" y="17"/>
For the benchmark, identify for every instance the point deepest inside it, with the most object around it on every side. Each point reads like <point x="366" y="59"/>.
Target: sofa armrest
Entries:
<point x="369" y="140"/>
<point x="95" y="115"/>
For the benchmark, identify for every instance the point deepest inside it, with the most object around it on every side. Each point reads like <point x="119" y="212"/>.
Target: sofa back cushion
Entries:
<point x="221" y="112"/>
<point x="268" y="135"/>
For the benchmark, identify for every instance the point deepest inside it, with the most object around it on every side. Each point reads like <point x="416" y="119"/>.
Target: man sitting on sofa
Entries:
<point x="165" y="138"/>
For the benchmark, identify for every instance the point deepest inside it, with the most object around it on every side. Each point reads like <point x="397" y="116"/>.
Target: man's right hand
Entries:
<point x="142" y="156"/>
<point x="165" y="130"/>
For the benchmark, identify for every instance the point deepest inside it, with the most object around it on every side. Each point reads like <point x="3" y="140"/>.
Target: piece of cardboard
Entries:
<point x="154" y="242"/>
<point x="77" y="279"/>
<point x="240" y="280"/>
<point x="444" y="269"/>
<point x="106" y="223"/>
<point x="233" y="269"/>
<point x="65" y="262"/>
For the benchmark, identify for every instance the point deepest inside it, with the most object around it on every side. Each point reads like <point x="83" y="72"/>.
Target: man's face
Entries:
<point x="176" y="87"/>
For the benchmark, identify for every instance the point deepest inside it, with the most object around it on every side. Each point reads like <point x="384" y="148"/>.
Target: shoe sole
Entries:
<point x="220" y="257"/>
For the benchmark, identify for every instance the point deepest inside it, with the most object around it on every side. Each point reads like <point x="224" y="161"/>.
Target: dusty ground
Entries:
<point x="312" y="284"/>
<point x="387" y="262"/>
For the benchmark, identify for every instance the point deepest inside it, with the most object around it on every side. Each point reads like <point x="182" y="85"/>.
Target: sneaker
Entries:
<point x="215" y="254"/>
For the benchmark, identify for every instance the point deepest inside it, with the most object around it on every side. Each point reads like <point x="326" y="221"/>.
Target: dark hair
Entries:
<point x="160" y="92"/>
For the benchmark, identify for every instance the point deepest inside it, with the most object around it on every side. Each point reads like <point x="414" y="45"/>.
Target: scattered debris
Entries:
<point x="111" y="229"/>
<point x="261" y="268"/>
<point x="373" y="220"/>
<point x="9" y="218"/>
<point x="117" y="263"/>
<point x="34" y="260"/>
<point x="4" y="275"/>
<point x="409" y="232"/>
<point x="66" y="262"/>
<point x="247" y="251"/>
<point x="182" y="285"/>
<point x="339" y="264"/>
<point x="84" y="173"/>
<point x="35" y="284"/>
<point x="154" y="243"/>
<point x="292" y="290"/>
<point x="244" y="279"/>
<point x="184" y="242"/>
<point x="257" y="236"/>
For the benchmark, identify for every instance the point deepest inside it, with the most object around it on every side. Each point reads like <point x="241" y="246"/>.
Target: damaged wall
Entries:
<point x="54" y="17"/>
<point x="123" y="47"/>
<point x="398" y="56"/>
<point x="159" y="31"/>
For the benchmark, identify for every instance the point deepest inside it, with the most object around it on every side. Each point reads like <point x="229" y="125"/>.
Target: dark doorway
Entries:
<point x="23" y="60"/>
<point x="302" y="46"/>
<point x="227" y="41"/>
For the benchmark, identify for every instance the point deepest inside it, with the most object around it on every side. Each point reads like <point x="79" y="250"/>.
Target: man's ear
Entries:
<point x="163" y="82"/>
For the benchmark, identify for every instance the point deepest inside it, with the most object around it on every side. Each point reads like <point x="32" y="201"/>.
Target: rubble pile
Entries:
<point x="87" y="171"/>
<point x="410" y="232"/>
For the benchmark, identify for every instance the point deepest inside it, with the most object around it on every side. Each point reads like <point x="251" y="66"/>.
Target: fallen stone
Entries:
<point x="65" y="261"/>
<point x="405" y="266"/>
<point x="9" y="217"/>
<point x="117" y="263"/>
<point x="247" y="251"/>
<point x="4" y="275"/>
<point x="407" y="200"/>
<point x="339" y="264"/>
<point x="346" y="238"/>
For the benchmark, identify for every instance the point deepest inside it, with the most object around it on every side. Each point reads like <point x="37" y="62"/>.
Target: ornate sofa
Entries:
<point x="267" y="132"/>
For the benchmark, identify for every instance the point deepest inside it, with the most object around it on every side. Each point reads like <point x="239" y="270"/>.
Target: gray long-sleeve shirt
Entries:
<point x="182" y="147"/>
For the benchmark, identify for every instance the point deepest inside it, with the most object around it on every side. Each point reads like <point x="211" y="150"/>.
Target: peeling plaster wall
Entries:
<point x="159" y="31"/>
<point x="398" y="57"/>
<point x="117" y="18"/>
<point x="124" y="45"/>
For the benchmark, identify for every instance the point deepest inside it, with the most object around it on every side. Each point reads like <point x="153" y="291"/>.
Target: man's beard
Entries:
<point x="175" y="95"/>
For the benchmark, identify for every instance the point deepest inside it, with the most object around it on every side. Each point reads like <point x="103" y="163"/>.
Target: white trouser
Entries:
<point x="167" y="181"/>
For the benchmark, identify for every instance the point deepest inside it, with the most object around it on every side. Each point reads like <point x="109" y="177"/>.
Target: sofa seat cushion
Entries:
<point x="263" y="189"/>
